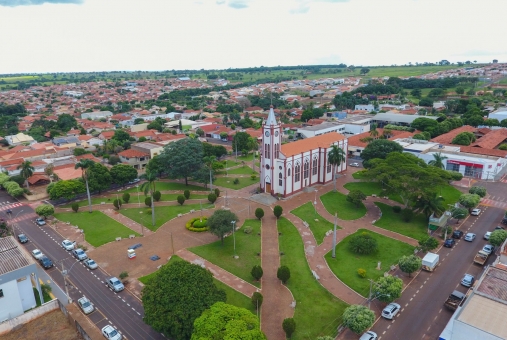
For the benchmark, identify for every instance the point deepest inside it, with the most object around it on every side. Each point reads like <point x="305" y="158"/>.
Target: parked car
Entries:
<point x="134" y="181"/>
<point x="46" y="262"/>
<point x="37" y="254"/>
<point x="498" y="227"/>
<point x="487" y="235"/>
<point x="457" y="234"/>
<point x="109" y="332"/>
<point x="354" y="165"/>
<point x="504" y="220"/>
<point x="90" y="264"/>
<point x="79" y="254"/>
<point x="391" y="310"/>
<point x="22" y="238"/>
<point x="449" y="243"/>
<point x="86" y="305"/>
<point x="488" y="249"/>
<point x="40" y="221"/>
<point x="68" y="245"/>
<point x="475" y="212"/>
<point x="115" y="284"/>
<point x="468" y="280"/>
<point x="469" y="237"/>
<point x="369" y="335"/>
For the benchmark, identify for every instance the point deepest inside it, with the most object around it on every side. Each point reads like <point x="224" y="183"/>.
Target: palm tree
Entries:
<point x="85" y="165"/>
<point x="149" y="186"/>
<point x="336" y="157"/>
<point x="208" y="160"/>
<point x="26" y="171"/>
<point x="374" y="131"/>
<point x="430" y="204"/>
<point x="438" y="160"/>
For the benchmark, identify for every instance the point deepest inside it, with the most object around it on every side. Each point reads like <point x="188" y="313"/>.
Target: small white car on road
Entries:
<point x="79" y="254"/>
<point x="488" y="249"/>
<point x="475" y="212"/>
<point x="115" y="284"/>
<point x="469" y="237"/>
<point x="90" y="264"/>
<point x="68" y="245"/>
<point x="487" y="235"/>
<point x="355" y="165"/>
<point x="85" y="305"/>
<point x="369" y="335"/>
<point x="37" y="254"/>
<point x="391" y="310"/>
<point x="109" y="332"/>
<point x="40" y="221"/>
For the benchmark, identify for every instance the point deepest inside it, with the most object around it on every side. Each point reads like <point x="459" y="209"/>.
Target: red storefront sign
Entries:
<point x="473" y="165"/>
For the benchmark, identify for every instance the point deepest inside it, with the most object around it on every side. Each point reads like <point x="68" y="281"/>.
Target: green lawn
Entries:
<point x="98" y="227"/>
<point x="164" y="186"/>
<point x="359" y="174"/>
<point x="133" y="199"/>
<point x="417" y="228"/>
<point x="336" y="202"/>
<point x="227" y="182"/>
<point x="306" y="212"/>
<point x="370" y="188"/>
<point x="247" y="247"/>
<point x="45" y="296"/>
<point x="318" y="312"/>
<point x="450" y="194"/>
<point x="244" y="170"/>
<point x="162" y="214"/>
<point x="346" y="263"/>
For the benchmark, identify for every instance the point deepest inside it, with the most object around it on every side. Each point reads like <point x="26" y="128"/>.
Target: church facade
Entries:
<point x="289" y="168"/>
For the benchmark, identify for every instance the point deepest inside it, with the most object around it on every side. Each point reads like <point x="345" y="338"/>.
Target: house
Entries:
<point x="17" y="271"/>
<point x="153" y="149"/>
<point x="66" y="142"/>
<point x="135" y="158"/>
<point x="364" y="107"/>
<point x="289" y="168"/>
<point x="96" y="115"/>
<point x="320" y="129"/>
<point x="384" y="118"/>
<point x="19" y="139"/>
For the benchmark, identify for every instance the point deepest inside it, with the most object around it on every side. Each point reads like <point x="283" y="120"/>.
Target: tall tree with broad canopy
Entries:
<point x="380" y="148"/>
<point x="26" y="171"/>
<point x="183" y="158"/>
<point x="149" y="186"/>
<point x="358" y="318"/>
<point x="99" y="178"/>
<point x="122" y="174"/>
<point x="66" y="189"/>
<point x="387" y="288"/>
<point x="430" y="203"/>
<point x="224" y="321"/>
<point x="176" y="296"/>
<point x="469" y="201"/>
<point x="240" y="141"/>
<point x="336" y="157"/>
<point x="45" y="210"/>
<point x="409" y="264"/>
<point x="220" y="223"/>
<point x="85" y="166"/>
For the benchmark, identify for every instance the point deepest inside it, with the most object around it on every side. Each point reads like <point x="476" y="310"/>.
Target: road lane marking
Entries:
<point x="411" y="299"/>
<point x="406" y="305"/>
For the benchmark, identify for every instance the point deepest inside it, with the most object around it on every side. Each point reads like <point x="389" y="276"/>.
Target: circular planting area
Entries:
<point x="197" y="224"/>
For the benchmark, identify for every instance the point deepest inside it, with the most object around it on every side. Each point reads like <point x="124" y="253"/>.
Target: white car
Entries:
<point x="37" y="254"/>
<point x="109" y="332"/>
<point x="369" y="335"/>
<point x="85" y="305"/>
<point x="475" y="212"/>
<point x="115" y="284"/>
<point x="90" y="264"/>
<point x="469" y="237"/>
<point x="391" y="310"/>
<point x="487" y="235"/>
<point x="488" y="249"/>
<point x="355" y="165"/>
<point x="68" y="245"/>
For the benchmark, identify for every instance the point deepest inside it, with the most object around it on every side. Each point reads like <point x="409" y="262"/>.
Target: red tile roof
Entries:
<point x="447" y="138"/>
<point x="491" y="139"/>
<point x="307" y="144"/>
<point x="133" y="153"/>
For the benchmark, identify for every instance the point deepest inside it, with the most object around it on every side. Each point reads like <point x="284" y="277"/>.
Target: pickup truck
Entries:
<point x="454" y="300"/>
<point x="481" y="258"/>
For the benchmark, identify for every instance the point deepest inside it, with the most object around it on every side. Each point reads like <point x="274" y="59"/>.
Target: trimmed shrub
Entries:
<point x="236" y="181"/>
<point x="407" y="214"/>
<point x="197" y="224"/>
<point x="363" y="244"/>
<point x="75" y="207"/>
<point x="123" y="275"/>
<point x="283" y="274"/>
<point x="289" y="327"/>
<point x="278" y="210"/>
<point x="157" y="195"/>
<point x="259" y="213"/>
<point x="253" y="177"/>
<point x="257" y="272"/>
<point x="147" y="201"/>
<point x="117" y="204"/>
<point x="257" y="299"/>
<point x="181" y="199"/>
<point x="361" y="272"/>
<point x="212" y="198"/>
<point x="126" y="197"/>
<point x="217" y="192"/>
<point x="186" y="193"/>
<point x="396" y="209"/>
<point x="248" y="230"/>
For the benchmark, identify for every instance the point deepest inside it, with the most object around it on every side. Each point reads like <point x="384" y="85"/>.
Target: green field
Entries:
<point x="346" y="263"/>
<point x="98" y="227"/>
<point x="336" y="202"/>
<point x="228" y="182"/>
<point x="166" y="186"/>
<point x="417" y="228"/>
<point x="247" y="248"/>
<point x="370" y="188"/>
<point x="318" y="312"/>
<point x="306" y="212"/>
<point x="243" y="170"/>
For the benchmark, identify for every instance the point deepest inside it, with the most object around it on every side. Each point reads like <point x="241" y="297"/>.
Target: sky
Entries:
<point x="106" y="35"/>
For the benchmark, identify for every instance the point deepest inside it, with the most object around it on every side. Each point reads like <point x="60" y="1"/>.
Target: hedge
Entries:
<point x="197" y="224"/>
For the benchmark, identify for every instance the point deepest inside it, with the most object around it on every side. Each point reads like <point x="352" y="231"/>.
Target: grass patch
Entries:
<point x="98" y="227"/>
<point x="336" y="202"/>
<point x="416" y="229"/>
<point x="306" y="212"/>
<point x="45" y="296"/>
<point x="244" y="170"/>
<point x="359" y="174"/>
<point x="450" y="194"/>
<point x="318" y="312"/>
<point x="247" y="247"/>
<point x="164" y="186"/>
<point x="228" y="182"/>
<point x="346" y="263"/>
<point x="162" y="214"/>
<point x="370" y="188"/>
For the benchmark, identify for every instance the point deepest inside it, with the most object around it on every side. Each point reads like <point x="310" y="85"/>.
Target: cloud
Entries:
<point x="238" y="4"/>
<point x="303" y="6"/>
<point x="14" y="3"/>
<point x="220" y="2"/>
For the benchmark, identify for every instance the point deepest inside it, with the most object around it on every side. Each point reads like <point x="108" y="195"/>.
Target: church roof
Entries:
<point x="271" y="117"/>
<point x="307" y="144"/>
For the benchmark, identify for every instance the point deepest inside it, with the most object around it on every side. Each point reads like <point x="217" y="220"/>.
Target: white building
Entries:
<point x="499" y="114"/>
<point x="96" y="115"/>
<point x="364" y="107"/>
<point x="289" y="168"/>
<point x="320" y="129"/>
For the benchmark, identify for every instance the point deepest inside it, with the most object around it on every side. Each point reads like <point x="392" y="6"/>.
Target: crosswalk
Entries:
<point x="7" y="205"/>
<point x="494" y="203"/>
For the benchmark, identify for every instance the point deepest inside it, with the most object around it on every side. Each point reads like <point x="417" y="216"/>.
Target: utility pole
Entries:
<point x="334" y="237"/>
<point x="233" y="237"/>
<point x="64" y="273"/>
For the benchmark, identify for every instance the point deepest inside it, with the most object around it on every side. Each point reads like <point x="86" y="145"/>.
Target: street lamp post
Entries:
<point x="315" y="204"/>
<point x="65" y="274"/>
<point x="334" y="237"/>
<point x="233" y="237"/>
<point x="370" y="297"/>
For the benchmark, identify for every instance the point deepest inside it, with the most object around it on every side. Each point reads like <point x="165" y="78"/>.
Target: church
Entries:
<point x="289" y="168"/>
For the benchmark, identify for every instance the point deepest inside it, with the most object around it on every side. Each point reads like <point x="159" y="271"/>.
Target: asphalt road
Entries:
<point x="122" y="310"/>
<point x="423" y="315"/>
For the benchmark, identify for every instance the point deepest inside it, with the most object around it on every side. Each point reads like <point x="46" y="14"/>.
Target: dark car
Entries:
<point x="22" y="238"/>
<point x="457" y="234"/>
<point x="504" y="220"/>
<point x="46" y="262"/>
<point x="498" y="227"/>
<point x="449" y="243"/>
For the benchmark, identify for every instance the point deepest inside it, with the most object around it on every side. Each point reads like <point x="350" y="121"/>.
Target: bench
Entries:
<point x="306" y="224"/>
<point x="179" y="215"/>
<point x="118" y="239"/>
<point x="315" y="275"/>
<point x="192" y="211"/>
<point x="132" y="236"/>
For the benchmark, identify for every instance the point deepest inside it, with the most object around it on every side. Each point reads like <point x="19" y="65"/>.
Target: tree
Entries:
<point x="283" y="274"/>
<point x="459" y="213"/>
<point x="478" y="190"/>
<point x="257" y="272"/>
<point x="363" y="243"/>
<point x="49" y="171"/>
<point x="122" y="174"/>
<point x="75" y="207"/>
<point x="117" y="203"/>
<point x="380" y="148"/>
<point x="181" y="199"/>
<point x="212" y="198"/>
<point x="79" y="152"/>
<point x="358" y="318"/>
<point x="13" y="188"/>
<point x="173" y="300"/>
<point x="498" y="237"/>
<point x="428" y="102"/>
<point x="464" y="138"/>
<point x="85" y="165"/>
<point x="460" y="90"/>
<point x="469" y="201"/>
<point x="278" y="210"/>
<point x="409" y="264"/>
<point x="150" y="186"/>
<point x="183" y="158"/>
<point x="429" y="204"/>
<point x="99" y="178"/>
<point x="224" y="321"/>
<point x="257" y="299"/>
<point x="416" y="93"/>
<point x="259" y="213"/>
<point x="26" y="171"/>
<point x="66" y="189"/>
<point x="121" y="136"/>
<point x="428" y="243"/>
<point x="186" y="193"/>
<point x="66" y="122"/>
<point x="240" y="141"/>
<point x="438" y="160"/>
<point x="387" y="288"/>
<point x="45" y="210"/>
<point x="364" y="70"/>
<point x="336" y="157"/>
<point x="356" y="197"/>
<point x="126" y="197"/>
<point x="113" y="160"/>
<point x="210" y="161"/>
<point x="289" y="327"/>
<point x="220" y="223"/>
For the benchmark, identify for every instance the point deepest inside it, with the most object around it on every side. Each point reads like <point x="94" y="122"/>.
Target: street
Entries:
<point x="122" y="310"/>
<point x="423" y="315"/>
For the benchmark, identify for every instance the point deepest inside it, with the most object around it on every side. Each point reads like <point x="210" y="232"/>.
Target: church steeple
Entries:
<point x="271" y="117"/>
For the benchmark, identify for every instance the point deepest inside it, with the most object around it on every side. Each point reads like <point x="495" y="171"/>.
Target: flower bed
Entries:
<point x="197" y="224"/>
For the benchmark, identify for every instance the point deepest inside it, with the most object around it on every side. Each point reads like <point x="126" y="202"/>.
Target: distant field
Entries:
<point x="403" y="71"/>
